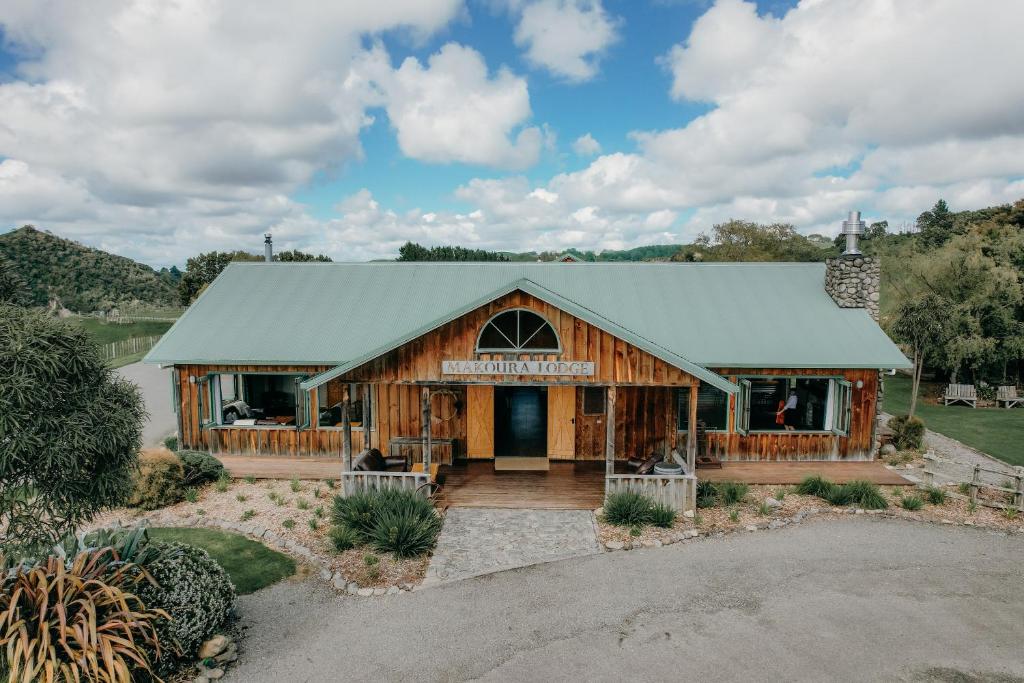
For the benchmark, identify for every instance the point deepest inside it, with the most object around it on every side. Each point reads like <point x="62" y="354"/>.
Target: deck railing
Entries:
<point x="678" y="491"/>
<point x="359" y="482"/>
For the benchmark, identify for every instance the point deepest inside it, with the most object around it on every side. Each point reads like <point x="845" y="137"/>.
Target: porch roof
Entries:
<point x="694" y="316"/>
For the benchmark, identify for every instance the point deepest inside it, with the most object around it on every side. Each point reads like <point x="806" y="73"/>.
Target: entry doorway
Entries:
<point x="520" y="422"/>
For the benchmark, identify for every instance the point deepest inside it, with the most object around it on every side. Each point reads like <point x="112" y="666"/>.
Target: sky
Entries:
<point x="158" y="129"/>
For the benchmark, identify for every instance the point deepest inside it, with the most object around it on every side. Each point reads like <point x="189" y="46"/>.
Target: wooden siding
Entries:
<point x="590" y="431"/>
<point x="615" y="361"/>
<point x="804" y="446"/>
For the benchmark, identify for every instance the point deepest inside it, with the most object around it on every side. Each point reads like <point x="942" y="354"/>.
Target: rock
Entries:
<point x="339" y="581"/>
<point x="968" y="522"/>
<point x="772" y="503"/>
<point x="947" y="521"/>
<point x="689" y="514"/>
<point x="326" y="574"/>
<point x="657" y="543"/>
<point x="874" y="512"/>
<point x="858" y="511"/>
<point x="776" y="524"/>
<point x="379" y="591"/>
<point x="352" y="588"/>
<point x="614" y="545"/>
<point x="392" y="590"/>
<point x="751" y="527"/>
<point x="647" y="544"/>
<point x="599" y="511"/>
<point x="365" y="592"/>
<point x="887" y="449"/>
<point x="214" y="674"/>
<point x="692" y="533"/>
<point x="229" y="655"/>
<point x="213" y="647"/>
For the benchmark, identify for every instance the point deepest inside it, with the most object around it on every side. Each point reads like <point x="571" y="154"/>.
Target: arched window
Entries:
<point x="517" y="331"/>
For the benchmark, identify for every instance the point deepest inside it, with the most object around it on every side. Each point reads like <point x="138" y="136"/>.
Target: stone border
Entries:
<point x="800" y="516"/>
<point x="258" y="533"/>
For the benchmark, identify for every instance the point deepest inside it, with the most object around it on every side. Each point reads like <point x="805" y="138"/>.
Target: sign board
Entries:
<point x="518" y="367"/>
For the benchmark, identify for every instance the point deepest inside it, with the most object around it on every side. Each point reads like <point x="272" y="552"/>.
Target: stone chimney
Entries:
<point x="852" y="279"/>
<point x="268" y="248"/>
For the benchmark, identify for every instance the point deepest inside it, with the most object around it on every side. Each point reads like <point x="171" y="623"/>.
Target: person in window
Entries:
<point x="788" y="412"/>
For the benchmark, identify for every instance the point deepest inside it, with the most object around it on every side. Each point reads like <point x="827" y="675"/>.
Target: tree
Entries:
<point x="919" y="323"/>
<point x="937" y="225"/>
<point x="13" y="289"/>
<point x="295" y="256"/>
<point x="410" y="251"/>
<point x="203" y="269"/>
<point x="70" y="430"/>
<point x="748" y="241"/>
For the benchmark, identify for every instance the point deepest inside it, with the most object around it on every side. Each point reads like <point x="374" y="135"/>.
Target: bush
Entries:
<point x="171" y="443"/>
<point x="839" y="495"/>
<point x="200" y="467"/>
<point x="911" y="503"/>
<point x="405" y="533"/>
<point x="343" y="538"/>
<point x="195" y="591"/>
<point x="707" y="496"/>
<point x="814" y="486"/>
<point x="79" y="620"/>
<point x="731" y="492"/>
<point x="936" y="496"/>
<point x="627" y="508"/>
<point x="159" y="482"/>
<point x="866" y="495"/>
<point x="907" y="432"/>
<point x="662" y="516"/>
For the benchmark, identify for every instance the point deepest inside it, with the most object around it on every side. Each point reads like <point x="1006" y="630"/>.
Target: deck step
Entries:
<point x="514" y="464"/>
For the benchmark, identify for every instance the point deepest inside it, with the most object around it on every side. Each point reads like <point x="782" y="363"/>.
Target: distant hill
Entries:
<point x="82" y="278"/>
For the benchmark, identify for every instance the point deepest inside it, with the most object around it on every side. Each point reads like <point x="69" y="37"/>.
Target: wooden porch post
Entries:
<point x="691" y="430"/>
<point x="425" y="394"/>
<point x="609" y="438"/>
<point x="346" y="434"/>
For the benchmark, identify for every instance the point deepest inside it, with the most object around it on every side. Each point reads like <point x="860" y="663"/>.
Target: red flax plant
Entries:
<point x="77" y="622"/>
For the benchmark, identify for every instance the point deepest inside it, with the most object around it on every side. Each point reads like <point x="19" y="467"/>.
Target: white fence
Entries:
<point x="360" y="482"/>
<point x="127" y="347"/>
<point x="677" y="491"/>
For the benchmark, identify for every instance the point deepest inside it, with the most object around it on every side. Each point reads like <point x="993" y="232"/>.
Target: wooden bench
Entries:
<point x="961" y="393"/>
<point x="1007" y="397"/>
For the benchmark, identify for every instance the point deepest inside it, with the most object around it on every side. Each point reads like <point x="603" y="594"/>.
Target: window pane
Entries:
<point x="490" y="338"/>
<point x="767" y="398"/>
<point x="593" y="400"/>
<point x="802" y="402"/>
<point x="544" y="339"/>
<point x="712" y="407"/>
<point x="508" y="323"/>
<point x="329" y="401"/>
<point x="518" y="330"/>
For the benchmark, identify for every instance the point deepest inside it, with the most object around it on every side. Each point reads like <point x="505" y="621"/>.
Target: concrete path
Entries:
<point x="477" y="541"/>
<point x="857" y="599"/>
<point x="155" y="385"/>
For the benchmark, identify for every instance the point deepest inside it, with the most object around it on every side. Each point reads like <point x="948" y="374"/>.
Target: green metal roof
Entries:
<point x="694" y="316"/>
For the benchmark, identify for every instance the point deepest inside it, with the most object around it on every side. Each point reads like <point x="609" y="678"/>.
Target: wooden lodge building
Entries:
<point x="514" y="366"/>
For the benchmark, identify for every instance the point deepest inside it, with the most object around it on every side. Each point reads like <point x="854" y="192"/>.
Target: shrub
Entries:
<point x="839" y="495"/>
<point x="627" y="508"/>
<point x="241" y="498"/>
<point x="964" y="488"/>
<point x="76" y="622"/>
<point x="764" y="509"/>
<point x="731" y="492"/>
<point x="330" y="483"/>
<point x="343" y="538"/>
<point x="295" y="485"/>
<point x="780" y="495"/>
<point x="191" y="494"/>
<point x="707" y="496"/>
<point x="866" y="495"/>
<point x="814" y="486"/>
<point x="936" y="496"/>
<point x="734" y="515"/>
<point x="159" y="481"/>
<point x="302" y="504"/>
<point x="249" y="479"/>
<point x="312" y="524"/>
<point x="222" y="483"/>
<point x="318" y="511"/>
<point x="907" y="432"/>
<point x="288" y="524"/>
<point x="171" y="443"/>
<point x="200" y="468"/>
<point x="248" y="514"/>
<point x="911" y="503"/>
<point x="369" y="559"/>
<point x="197" y="594"/>
<point x="662" y="516"/>
<point x="404" y="533"/>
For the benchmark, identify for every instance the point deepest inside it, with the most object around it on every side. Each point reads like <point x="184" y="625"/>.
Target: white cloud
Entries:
<point x="566" y="37"/>
<point x="586" y="146"/>
<point x="452" y="111"/>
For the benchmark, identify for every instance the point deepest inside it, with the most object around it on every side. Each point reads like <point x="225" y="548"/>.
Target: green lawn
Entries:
<point x="996" y="431"/>
<point x="251" y="565"/>
<point x="104" y="333"/>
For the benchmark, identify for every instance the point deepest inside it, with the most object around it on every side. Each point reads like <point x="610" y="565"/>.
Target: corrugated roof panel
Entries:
<point x="714" y="315"/>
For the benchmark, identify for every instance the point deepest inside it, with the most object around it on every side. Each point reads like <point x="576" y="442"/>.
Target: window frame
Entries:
<point x="372" y="405"/>
<point x="519" y="350"/>
<point x="302" y="405"/>
<point x="830" y="412"/>
<point x="604" y="400"/>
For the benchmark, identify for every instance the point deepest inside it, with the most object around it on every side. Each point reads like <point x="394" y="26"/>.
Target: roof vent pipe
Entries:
<point x="268" y="248"/>
<point x="853" y="228"/>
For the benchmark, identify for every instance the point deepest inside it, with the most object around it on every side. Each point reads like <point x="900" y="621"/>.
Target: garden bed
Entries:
<point x="292" y="516"/>
<point x="753" y="513"/>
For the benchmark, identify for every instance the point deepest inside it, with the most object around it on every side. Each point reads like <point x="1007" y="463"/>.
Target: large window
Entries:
<point x="330" y="397"/>
<point x="246" y="400"/>
<point x="517" y="331"/>
<point x="799" y="404"/>
<point x="712" y="408"/>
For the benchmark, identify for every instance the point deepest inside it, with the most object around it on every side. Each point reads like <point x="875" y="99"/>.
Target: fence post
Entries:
<point x="975" y="483"/>
<point x="1019" y="497"/>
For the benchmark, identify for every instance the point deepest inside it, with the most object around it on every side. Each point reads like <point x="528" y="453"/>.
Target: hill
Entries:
<point x="82" y="278"/>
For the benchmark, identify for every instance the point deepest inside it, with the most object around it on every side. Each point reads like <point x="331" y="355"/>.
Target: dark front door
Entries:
<point x="520" y="422"/>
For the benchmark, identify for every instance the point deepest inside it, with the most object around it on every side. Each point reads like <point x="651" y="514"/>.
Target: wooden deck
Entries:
<point x="793" y="472"/>
<point x="566" y="486"/>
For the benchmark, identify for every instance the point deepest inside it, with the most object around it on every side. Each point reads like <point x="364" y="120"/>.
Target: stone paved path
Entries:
<point x="477" y="541"/>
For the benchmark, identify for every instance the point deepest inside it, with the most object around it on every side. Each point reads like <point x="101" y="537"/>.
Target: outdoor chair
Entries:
<point x="640" y="466"/>
<point x="1007" y="397"/>
<point x="372" y="460"/>
<point x="961" y="393"/>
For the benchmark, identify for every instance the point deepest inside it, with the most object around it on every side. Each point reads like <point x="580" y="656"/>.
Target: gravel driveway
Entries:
<point x="857" y="599"/>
